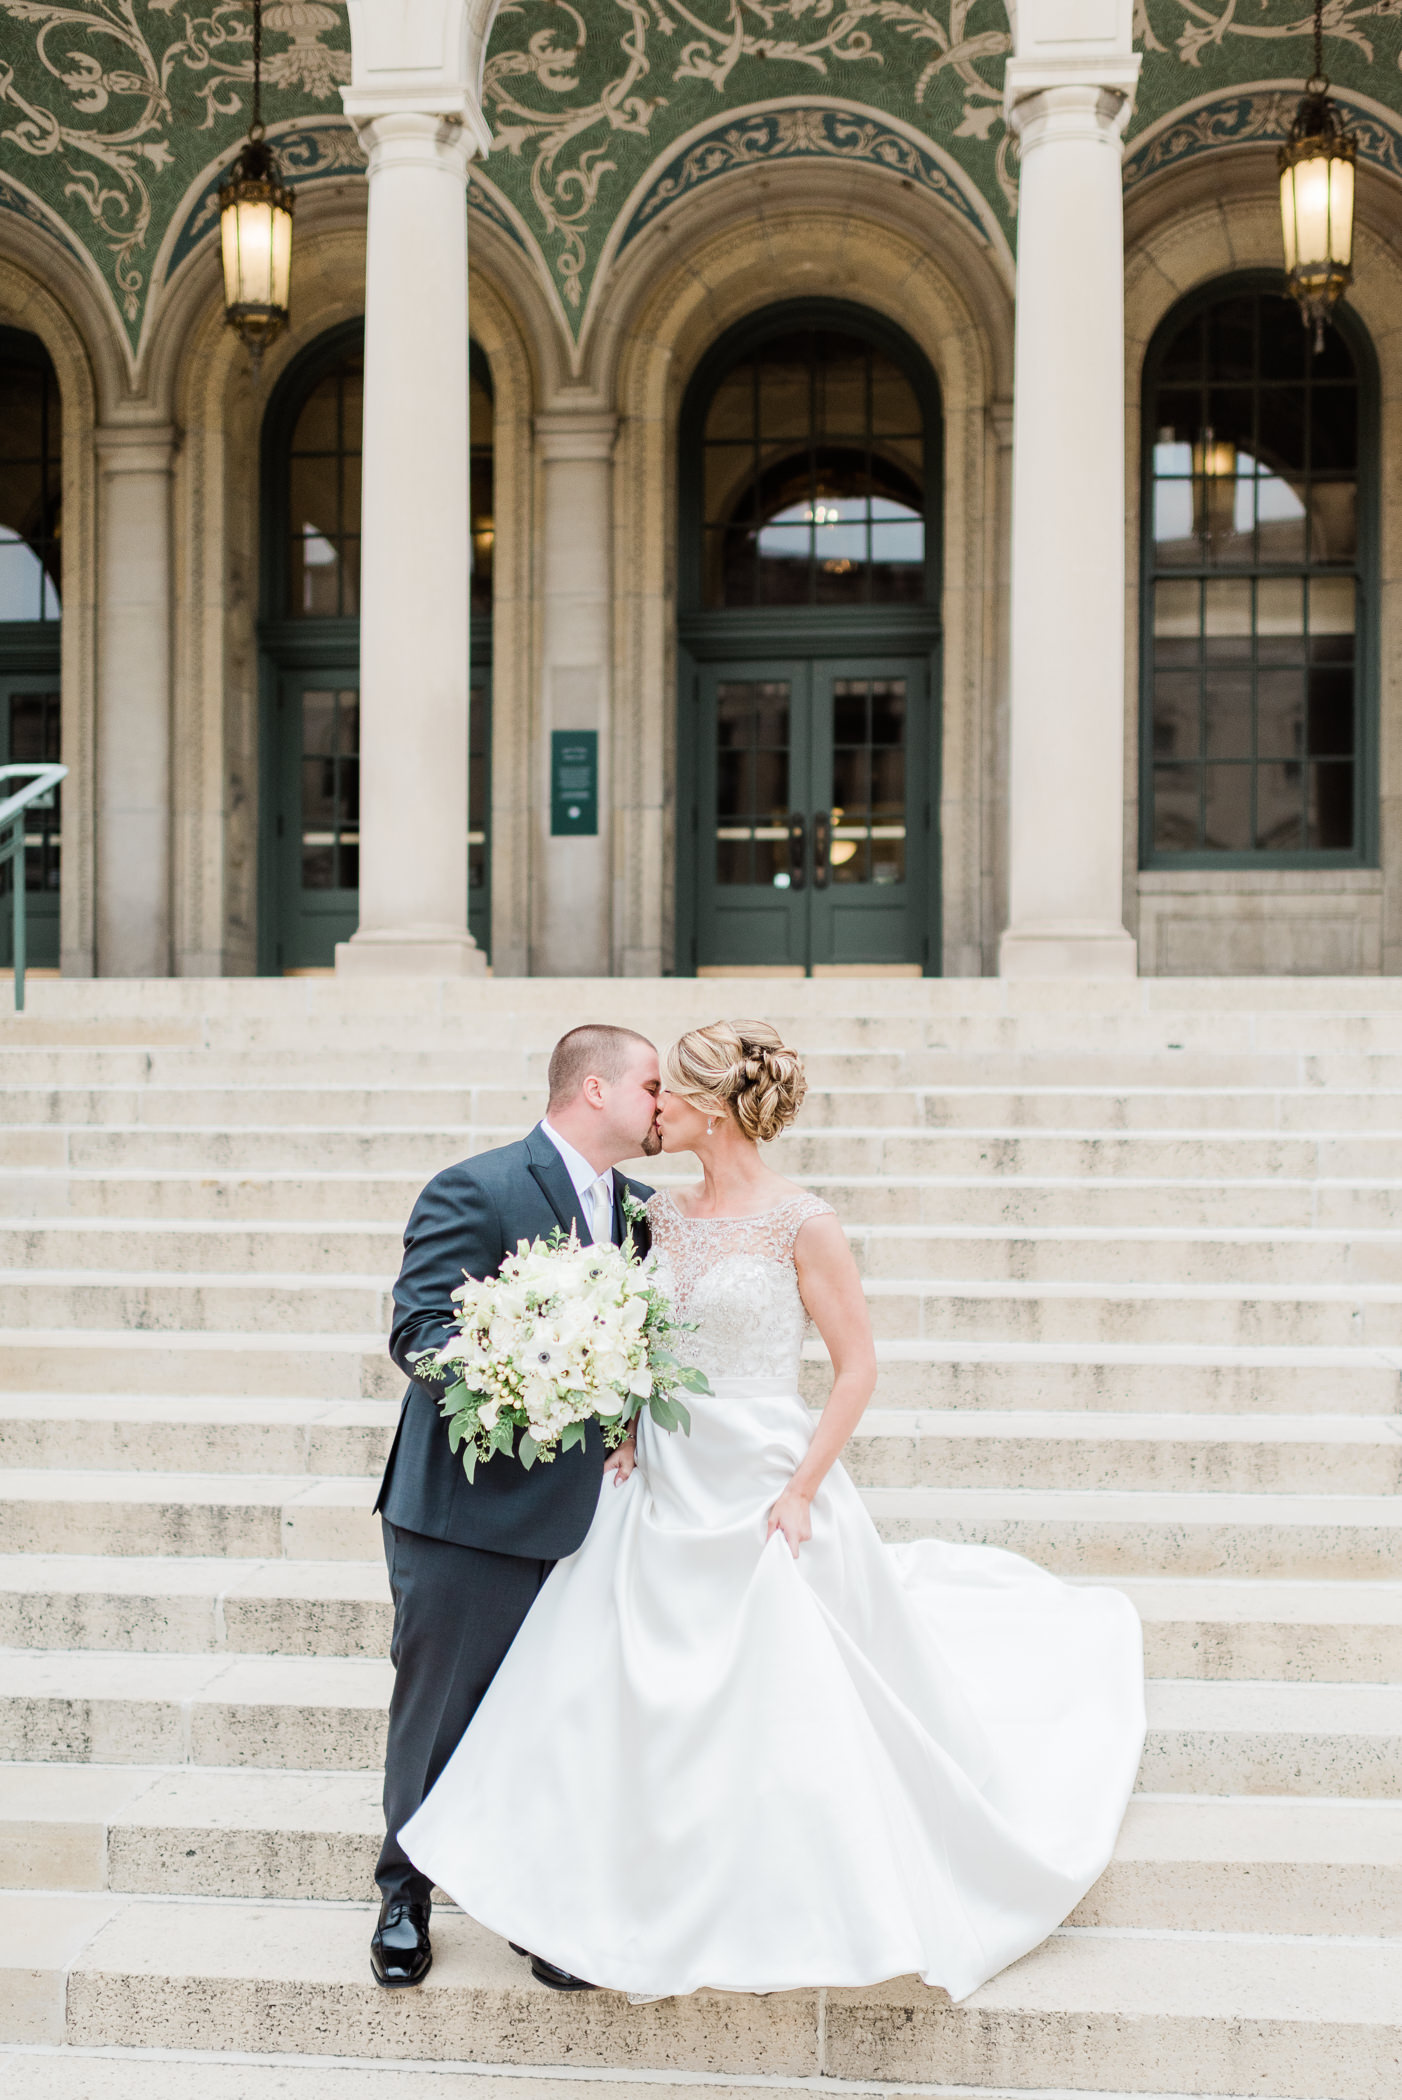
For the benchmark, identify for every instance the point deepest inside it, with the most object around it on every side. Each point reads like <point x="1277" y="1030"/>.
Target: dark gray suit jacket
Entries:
<point x="469" y="1219"/>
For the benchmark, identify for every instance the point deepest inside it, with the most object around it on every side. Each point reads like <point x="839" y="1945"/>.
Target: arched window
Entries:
<point x="808" y="626"/>
<point x="31" y="464"/>
<point x="1257" y="599"/>
<point x="311" y="642"/>
<point x="814" y="477"/>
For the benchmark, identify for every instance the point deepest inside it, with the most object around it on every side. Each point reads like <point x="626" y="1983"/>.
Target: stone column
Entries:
<point x="1066" y="731"/>
<point x="571" y="934"/>
<point x="414" y="551"/>
<point x="133" y="786"/>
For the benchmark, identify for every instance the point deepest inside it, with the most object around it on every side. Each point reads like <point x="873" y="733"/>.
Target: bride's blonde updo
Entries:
<point x="743" y="1066"/>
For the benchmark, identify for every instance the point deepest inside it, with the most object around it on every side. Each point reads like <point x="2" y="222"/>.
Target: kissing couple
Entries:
<point x="676" y="1718"/>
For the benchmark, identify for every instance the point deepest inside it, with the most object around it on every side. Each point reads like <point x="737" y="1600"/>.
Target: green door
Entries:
<point x="29" y="732"/>
<point x="318" y="816"/>
<point x="812" y="813"/>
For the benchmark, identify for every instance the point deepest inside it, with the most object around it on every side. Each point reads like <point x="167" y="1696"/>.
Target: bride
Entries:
<point x="738" y="1742"/>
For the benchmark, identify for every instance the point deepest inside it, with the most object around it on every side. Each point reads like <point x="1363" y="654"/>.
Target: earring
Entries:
<point x="710" y="1126"/>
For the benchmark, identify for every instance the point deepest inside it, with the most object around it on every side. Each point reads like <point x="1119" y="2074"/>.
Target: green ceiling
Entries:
<point x="111" y="113"/>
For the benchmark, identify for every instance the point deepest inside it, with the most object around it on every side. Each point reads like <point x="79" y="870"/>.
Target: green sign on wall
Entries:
<point x="574" y="783"/>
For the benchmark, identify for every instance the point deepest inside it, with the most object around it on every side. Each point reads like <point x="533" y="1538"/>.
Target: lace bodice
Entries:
<point x="734" y="1281"/>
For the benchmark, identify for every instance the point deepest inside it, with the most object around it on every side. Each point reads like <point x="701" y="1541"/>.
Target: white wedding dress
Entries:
<point x="706" y="1763"/>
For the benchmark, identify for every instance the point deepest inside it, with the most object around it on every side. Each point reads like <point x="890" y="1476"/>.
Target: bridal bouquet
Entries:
<point x="561" y="1336"/>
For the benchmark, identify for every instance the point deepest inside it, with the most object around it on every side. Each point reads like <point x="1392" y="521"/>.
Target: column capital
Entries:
<point x="1042" y="103"/>
<point x="576" y="434"/>
<point x="136" y="448"/>
<point x="416" y="138"/>
<point x="419" y="58"/>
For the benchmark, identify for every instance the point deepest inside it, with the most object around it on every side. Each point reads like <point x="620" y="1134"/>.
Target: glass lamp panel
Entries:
<point x="252" y="253"/>
<point x="1279" y="808"/>
<point x="1329" y="808"/>
<point x="1227" y="808"/>
<point x="1308" y="248"/>
<point x="1341" y="188"/>
<point x="1280" y="712"/>
<point x="1177" y="808"/>
<point x="280" y="266"/>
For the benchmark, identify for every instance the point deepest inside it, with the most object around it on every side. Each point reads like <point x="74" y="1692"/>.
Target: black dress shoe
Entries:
<point x="556" y="1979"/>
<point x="400" y="1951"/>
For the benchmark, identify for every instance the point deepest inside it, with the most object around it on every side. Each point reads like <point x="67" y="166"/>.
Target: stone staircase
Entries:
<point x="1135" y="1263"/>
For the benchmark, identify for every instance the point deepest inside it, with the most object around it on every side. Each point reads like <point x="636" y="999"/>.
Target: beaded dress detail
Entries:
<point x="733" y="1280"/>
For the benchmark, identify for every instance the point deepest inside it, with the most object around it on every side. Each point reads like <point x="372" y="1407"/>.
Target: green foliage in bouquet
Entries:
<point x="561" y="1336"/>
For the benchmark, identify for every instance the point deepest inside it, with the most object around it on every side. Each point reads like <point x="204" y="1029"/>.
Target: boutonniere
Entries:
<point x="634" y="1211"/>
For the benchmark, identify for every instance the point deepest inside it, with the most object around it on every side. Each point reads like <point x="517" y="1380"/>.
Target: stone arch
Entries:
<point x="1215" y="217"/>
<point x="852" y="236"/>
<point x="44" y="292"/>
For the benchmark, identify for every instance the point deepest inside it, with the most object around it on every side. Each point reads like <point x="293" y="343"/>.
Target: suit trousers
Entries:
<point x="457" y="1609"/>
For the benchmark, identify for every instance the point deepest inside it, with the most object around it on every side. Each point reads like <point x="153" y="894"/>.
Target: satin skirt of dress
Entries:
<point x="704" y="1763"/>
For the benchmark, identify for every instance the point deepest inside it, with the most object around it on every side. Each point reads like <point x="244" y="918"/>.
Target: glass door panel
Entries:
<point x="812" y="815"/>
<point x="869" y="749"/>
<point x="318" y="821"/>
<point x="30" y="734"/>
<point x="751" y="875"/>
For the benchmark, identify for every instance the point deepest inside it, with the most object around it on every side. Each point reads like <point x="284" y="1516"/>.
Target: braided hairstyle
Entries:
<point x="741" y="1068"/>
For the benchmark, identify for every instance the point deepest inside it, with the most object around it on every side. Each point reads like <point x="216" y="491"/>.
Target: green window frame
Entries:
<point x="1258" y="574"/>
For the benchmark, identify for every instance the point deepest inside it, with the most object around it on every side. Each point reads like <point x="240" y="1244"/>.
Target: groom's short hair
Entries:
<point x="598" y="1048"/>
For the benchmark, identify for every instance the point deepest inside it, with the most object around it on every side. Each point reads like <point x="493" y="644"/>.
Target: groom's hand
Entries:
<point x="622" y="1461"/>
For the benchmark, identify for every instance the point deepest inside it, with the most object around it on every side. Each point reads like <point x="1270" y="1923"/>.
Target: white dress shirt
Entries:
<point x="594" y="1190"/>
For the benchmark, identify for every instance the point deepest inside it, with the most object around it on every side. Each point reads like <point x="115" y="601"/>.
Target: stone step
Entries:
<point x="1111" y="1532"/>
<point x="327" y="1714"/>
<point x="1314" y="1315"/>
<point x="1146" y="1532"/>
<point x="893" y="1446"/>
<point x="1194" y="1626"/>
<point x="1065" y="1202"/>
<point x="1195" y="2014"/>
<point x="888" y="1253"/>
<point x="1181" y="1864"/>
<point x="392" y="1101"/>
<point x="1182" y="1154"/>
<point x="1156" y="1377"/>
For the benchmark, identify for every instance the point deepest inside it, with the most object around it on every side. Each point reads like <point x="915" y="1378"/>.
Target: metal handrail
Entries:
<point x="42" y="782"/>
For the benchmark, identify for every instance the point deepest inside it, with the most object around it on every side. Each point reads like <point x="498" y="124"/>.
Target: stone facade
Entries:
<point x="653" y="178"/>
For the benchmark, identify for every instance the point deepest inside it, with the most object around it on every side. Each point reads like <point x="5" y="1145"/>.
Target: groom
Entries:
<point x="466" y="1558"/>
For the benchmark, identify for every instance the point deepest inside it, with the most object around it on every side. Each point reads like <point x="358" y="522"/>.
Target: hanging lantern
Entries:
<point x="255" y="226"/>
<point x="1316" y="198"/>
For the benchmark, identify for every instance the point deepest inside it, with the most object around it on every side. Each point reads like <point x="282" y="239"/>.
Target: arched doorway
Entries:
<point x="31" y="465"/>
<point x="809" y="648"/>
<point x="310" y="635"/>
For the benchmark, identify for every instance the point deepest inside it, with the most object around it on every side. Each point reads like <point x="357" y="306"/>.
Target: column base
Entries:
<point x="410" y="952"/>
<point x="1067" y="951"/>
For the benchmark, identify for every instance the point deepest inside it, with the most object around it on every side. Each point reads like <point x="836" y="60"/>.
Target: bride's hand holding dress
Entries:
<point x="831" y="1291"/>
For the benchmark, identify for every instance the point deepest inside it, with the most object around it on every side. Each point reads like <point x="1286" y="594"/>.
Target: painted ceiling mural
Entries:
<point x="114" y="115"/>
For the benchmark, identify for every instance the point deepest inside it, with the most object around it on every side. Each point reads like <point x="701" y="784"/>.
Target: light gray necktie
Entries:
<point x="600" y="1199"/>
